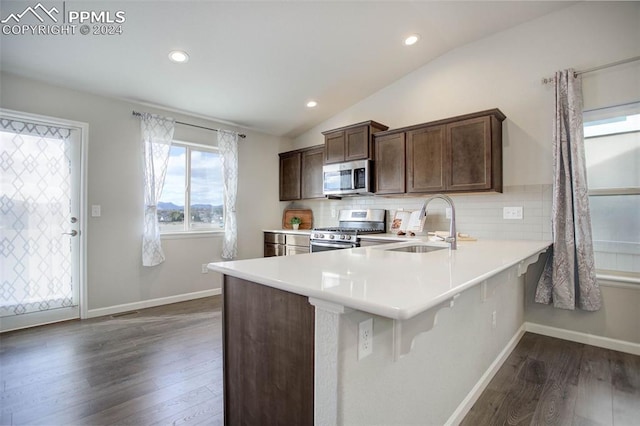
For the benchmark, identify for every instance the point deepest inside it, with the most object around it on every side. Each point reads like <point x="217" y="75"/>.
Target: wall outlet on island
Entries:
<point x="365" y="338"/>
<point x="205" y="270"/>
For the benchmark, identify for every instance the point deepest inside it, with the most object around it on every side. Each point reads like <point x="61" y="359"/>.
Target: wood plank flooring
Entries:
<point x="160" y="365"/>
<point x="163" y="366"/>
<point x="547" y="381"/>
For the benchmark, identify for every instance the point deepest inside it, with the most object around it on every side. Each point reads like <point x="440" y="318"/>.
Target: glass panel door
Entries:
<point x="40" y="223"/>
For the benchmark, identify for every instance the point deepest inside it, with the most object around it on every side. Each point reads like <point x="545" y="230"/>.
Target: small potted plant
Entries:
<point x="295" y="222"/>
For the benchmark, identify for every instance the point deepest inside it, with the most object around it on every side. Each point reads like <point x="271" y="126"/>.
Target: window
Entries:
<point x="191" y="198"/>
<point x="612" y="148"/>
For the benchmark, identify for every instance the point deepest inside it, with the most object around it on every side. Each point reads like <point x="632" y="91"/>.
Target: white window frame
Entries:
<point x="614" y="275"/>
<point x="186" y="232"/>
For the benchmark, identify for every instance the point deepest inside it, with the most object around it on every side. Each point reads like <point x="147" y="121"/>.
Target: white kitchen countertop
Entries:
<point x="396" y="285"/>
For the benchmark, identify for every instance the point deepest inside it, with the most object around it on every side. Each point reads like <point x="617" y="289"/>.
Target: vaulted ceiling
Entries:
<point x="254" y="64"/>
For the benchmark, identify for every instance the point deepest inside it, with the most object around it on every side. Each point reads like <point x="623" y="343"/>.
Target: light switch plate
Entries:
<point x="512" y="213"/>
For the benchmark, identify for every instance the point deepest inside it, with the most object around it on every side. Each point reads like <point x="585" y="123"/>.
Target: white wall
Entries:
<point x="505" y="71"/>
<point x="427" y="385"/>
<point x="115" y="276"/>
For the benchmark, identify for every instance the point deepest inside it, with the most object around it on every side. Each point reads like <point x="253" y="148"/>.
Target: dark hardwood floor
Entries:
<point x="163" y="366"/>
<point x="547" y="381"/>
<point x="160" y="365"/>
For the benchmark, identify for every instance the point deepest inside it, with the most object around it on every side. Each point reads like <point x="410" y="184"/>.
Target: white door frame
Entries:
<point x="83" y="128"/>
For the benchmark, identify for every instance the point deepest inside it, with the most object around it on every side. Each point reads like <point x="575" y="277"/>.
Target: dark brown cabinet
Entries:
<point x="268" y="338"/>
<point x="474" y="152"/>
<point x="290" y="175"/>
<point x="301" y="173"/>
<point x="390" y="164"/>
<point x="311" y="172"/>
<point x="285" y="244"/>
<point x="459" y="154"/>
<point x="426" y="159"/>
<point x="354" y="142"/>
<point x="274" y="244"/>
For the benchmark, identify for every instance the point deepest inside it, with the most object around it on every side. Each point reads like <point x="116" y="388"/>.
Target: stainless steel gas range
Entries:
<point x="351" y="224"/>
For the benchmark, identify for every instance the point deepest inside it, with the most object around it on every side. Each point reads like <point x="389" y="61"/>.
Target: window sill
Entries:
<point x="618" y="279"/>
<point x="191" y="234"/>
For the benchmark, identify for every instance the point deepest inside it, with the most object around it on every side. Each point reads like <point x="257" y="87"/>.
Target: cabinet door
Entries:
<point x="268" y="347"/>
<point x="291" y="250"/>
<point x="271" y="250"/>
<point x="390" y="164"/>
<point x="290" y="176"/>
<point x="334" y="147"/>
<point x="426" y="159"/>
<point x="312" y="162"/>
<point x="357" y="144"/>
<point x="469" y="154"/>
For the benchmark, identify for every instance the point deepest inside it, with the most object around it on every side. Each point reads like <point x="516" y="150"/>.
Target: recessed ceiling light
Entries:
<point x="312" y="104"/>
<point x="178" y="56"/>
<point x="411" y="40"/>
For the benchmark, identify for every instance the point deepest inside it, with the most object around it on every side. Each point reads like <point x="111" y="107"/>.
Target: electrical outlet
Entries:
<point x="95" y="210"/>
<point x="365" y="338"/>
<point x="205" y="270"/>
<point x="447" y="213"/>
<point x="494" y="321"/>
<point x="512" y="213"/>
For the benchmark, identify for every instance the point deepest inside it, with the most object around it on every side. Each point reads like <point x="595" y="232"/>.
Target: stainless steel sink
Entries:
<point x="418" y="249"/>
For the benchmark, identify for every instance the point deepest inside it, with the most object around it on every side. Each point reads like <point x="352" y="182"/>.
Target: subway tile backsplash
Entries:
<point x="479" y="215"/>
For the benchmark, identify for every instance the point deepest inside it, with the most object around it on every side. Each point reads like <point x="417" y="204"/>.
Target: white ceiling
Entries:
<point x="256" y="64"/>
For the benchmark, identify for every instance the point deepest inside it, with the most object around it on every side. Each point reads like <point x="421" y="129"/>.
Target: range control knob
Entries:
<point x="331" y="237"/>
<point x="348" y="237"/>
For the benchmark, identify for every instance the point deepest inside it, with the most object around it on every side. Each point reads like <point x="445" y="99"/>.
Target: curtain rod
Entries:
<point x="241" y="135"/>
<point x="547" y="80"/>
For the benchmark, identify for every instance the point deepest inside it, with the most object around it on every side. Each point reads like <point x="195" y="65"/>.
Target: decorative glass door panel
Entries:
<point x="39" y="225"/>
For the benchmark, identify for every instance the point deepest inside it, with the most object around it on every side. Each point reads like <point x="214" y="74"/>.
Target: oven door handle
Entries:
<point x="333" y="245"/>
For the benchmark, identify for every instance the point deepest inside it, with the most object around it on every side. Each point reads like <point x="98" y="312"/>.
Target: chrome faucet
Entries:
<point x="451" y="239"/>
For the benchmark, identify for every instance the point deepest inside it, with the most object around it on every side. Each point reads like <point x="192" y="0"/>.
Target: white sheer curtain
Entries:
<point x="157" y="134"/>
<point x="569" y="278"/>
<point x="228" y="146"/>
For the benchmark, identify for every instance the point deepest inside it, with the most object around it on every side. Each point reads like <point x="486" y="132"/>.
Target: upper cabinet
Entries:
<point x="290" y="175"/>
<point x="311" y="172"/>
<point x="390" y="164"/>
<point x="354" y="142"/>
<point x="301" y="173"/>
<point x="459" y="154"/>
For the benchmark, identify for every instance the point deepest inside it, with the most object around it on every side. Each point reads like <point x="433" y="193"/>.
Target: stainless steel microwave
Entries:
<point x="349" y="178"/>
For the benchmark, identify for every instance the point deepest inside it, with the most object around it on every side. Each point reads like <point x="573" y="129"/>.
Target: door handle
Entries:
<point x="72" y="233"/>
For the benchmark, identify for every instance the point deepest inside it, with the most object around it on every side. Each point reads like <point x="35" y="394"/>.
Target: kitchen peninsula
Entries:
<point x="442" y="323"/>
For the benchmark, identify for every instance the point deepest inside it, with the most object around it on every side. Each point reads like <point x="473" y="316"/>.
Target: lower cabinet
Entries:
<point x="274" y="244"/>
<point x="268" y="338"/>
<point x="285" y="244"/>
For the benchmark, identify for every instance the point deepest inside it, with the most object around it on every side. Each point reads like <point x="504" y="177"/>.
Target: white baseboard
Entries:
<point x="589" y="339"/>
<point x="473" y="395"/>
<point x="560" y="333"/>
<point x="110" y="310"/>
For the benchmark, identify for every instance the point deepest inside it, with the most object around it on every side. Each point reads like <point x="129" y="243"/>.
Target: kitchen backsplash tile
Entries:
<point x="479" y="215"/>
